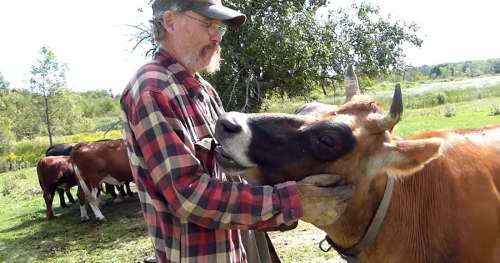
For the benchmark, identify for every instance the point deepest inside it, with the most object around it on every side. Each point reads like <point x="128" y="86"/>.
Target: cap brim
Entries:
<point x="227" y="15"/>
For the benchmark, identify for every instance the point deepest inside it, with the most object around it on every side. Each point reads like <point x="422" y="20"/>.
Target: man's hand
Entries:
<point x="322" y="204"/>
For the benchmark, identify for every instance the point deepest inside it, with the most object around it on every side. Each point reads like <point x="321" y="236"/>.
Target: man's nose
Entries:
<point x="216" y="37"/>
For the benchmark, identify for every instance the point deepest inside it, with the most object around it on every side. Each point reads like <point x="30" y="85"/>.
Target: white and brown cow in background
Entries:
<point x="445" y="200"/>
<point x="99" y="162"/>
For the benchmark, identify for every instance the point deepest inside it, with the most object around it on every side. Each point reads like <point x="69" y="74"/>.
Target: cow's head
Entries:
<point x="353" y="141"/>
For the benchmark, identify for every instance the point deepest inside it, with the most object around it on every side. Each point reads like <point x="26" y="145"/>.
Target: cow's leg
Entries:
<point x="70" y="197"/>
<point x="121" y="189"/>
<point x="94" y="205"/>
<point x="122" y="195"/>
<point x="48" y="197"/>
<point x="110" y="189"/>
<point x="129" y="192"/>
<point x="84" y="217"/>
<point x="61" y="197"/>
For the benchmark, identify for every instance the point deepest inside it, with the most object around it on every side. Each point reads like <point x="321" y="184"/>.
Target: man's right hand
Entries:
<point x="323" y="203"/>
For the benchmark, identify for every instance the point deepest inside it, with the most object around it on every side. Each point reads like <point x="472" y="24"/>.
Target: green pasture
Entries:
<point x="26" y="236"/>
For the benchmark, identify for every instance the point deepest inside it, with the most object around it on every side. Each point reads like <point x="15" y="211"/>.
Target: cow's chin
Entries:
<point x="227" y="162"/>
<point x="231" y="167"/>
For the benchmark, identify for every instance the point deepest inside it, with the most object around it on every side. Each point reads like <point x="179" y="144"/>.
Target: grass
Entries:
<point x="26" y="235"/>
<point x="466" y="114"/>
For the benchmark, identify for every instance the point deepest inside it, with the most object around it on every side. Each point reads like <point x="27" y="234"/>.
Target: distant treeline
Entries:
<point x="453" y="70"/>
<point x="71" y="113"/>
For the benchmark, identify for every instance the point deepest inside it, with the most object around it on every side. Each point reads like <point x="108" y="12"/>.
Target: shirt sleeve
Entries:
<point x="190" y="192"/>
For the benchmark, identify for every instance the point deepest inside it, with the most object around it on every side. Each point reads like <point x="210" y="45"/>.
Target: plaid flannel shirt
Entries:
<point x="192" y="211"/>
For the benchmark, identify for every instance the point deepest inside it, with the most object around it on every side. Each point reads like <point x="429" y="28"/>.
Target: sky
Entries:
<point x="93" y="37"/>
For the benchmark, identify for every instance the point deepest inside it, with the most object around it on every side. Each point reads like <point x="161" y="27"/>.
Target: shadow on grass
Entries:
<point x="38" y="239"/>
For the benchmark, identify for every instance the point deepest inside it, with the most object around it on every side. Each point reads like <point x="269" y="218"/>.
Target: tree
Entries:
<point x="284" y="50"/>
<point x="4" y="85"/>
<point x="6" y="134"/>
<point x="47" y="81"/>
<point x="372" y="43"/>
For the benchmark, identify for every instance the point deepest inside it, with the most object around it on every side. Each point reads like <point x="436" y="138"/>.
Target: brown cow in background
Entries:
<point x="55" y="173"/>
<point x="95" y="163"/>
<point x="445" y="203"/>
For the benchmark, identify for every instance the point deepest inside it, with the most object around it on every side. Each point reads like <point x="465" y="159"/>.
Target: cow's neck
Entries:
<point x="404" y="217"/>
<point x="359" y="213"/>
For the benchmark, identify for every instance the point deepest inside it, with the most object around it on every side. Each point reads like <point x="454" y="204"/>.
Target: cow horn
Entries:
<point x="391" y="119"/>
<point x="351" y="81"/>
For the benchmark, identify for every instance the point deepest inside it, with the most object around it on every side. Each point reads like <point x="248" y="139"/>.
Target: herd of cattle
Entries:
<point x="86" y="165"/>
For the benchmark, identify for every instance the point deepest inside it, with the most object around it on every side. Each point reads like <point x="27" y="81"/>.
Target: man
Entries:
<point x="193" y="212"/>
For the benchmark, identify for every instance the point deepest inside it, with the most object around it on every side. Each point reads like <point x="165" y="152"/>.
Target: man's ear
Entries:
<point x="409" y="156"/>
<point x="168" y="20"/>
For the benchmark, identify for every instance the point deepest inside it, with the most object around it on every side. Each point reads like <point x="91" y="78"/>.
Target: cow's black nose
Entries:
<point x="226" y="126"/>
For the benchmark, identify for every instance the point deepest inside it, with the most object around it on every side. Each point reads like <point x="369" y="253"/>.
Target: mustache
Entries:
<point x="210" y="48"/>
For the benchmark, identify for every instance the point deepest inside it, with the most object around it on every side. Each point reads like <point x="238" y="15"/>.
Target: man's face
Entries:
<point x="197" y="41"/>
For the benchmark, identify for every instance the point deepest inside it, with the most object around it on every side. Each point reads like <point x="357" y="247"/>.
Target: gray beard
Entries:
<point x="194" y="60"/>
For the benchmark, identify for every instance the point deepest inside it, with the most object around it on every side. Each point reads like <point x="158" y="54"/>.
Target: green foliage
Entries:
<point x="495" y="109"/>
<point x="7" y="185"/>
<point x="449" y="112"/>
<point x="465" y="69"/>
<point x="441" y="98"/>
<point x="285" y="51"/>
<point x="47" y="80"/>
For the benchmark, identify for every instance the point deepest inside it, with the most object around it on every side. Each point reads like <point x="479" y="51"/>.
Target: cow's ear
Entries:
<point x="409" y="156"/>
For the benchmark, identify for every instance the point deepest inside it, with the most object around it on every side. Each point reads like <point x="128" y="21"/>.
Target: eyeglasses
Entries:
<point x="212" y="28"/>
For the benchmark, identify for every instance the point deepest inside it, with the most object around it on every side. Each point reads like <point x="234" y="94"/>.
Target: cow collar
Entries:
<point x="351" y="254"/>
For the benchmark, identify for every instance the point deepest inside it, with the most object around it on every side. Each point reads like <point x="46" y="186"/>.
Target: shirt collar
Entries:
<point x="192" y="83"/>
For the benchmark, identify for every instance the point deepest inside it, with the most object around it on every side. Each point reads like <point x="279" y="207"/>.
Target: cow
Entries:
<point x="432" y="197"/>
<point x="65" y="149"/>
<point x="62" y="150"/>
<point x="97" y="162"/>
<point x="55" y="173"/>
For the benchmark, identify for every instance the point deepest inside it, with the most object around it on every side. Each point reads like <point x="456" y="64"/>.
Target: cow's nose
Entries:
<point x="227" y="125"/>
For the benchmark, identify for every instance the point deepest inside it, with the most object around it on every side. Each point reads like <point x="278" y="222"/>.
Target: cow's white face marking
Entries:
<point x="237" y="145"/>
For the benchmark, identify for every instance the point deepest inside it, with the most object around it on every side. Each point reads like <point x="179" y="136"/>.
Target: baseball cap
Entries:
<point x="212" y="9"/>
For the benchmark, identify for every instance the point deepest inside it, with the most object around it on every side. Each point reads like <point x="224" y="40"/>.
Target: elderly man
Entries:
<point x="194" y="213"/>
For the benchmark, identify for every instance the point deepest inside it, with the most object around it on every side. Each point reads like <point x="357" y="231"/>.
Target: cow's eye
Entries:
<point x="327" y="140"/>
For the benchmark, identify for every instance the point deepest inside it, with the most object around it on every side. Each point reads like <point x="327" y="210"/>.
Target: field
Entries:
<point x="26" y="236"/>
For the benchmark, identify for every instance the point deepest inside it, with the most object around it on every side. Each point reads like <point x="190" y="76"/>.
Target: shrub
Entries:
<point x="8" y="185"/>
<point x="441" y="98"/>
<point x="449" y="112"/>
<point x="495" y="109"/>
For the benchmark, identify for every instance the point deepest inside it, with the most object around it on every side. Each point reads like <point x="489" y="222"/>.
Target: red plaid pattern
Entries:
<point x="193" y="212"/>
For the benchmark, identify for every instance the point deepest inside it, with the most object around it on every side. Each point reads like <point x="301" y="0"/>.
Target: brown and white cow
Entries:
<point x="55" y="173"/>
<point x="99" y="162"/>
<point x="445" y="202"/>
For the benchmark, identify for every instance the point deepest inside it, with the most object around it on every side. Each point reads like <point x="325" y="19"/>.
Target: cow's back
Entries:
<point x="452" y="204"/>
<point x="55" y="170"/>
<point x="96" y="160"/>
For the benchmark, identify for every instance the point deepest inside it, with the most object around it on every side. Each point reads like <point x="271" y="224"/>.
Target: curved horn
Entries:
<point x="351" y="81"/>
<point x="391" y="119"/>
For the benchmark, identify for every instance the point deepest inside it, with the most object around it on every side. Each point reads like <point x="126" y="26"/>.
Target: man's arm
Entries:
<point x="190" y="192"/>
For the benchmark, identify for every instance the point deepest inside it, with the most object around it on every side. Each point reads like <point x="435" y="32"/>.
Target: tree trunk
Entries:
<point x="47" y="119"/>
<point x="323" y="88"/>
